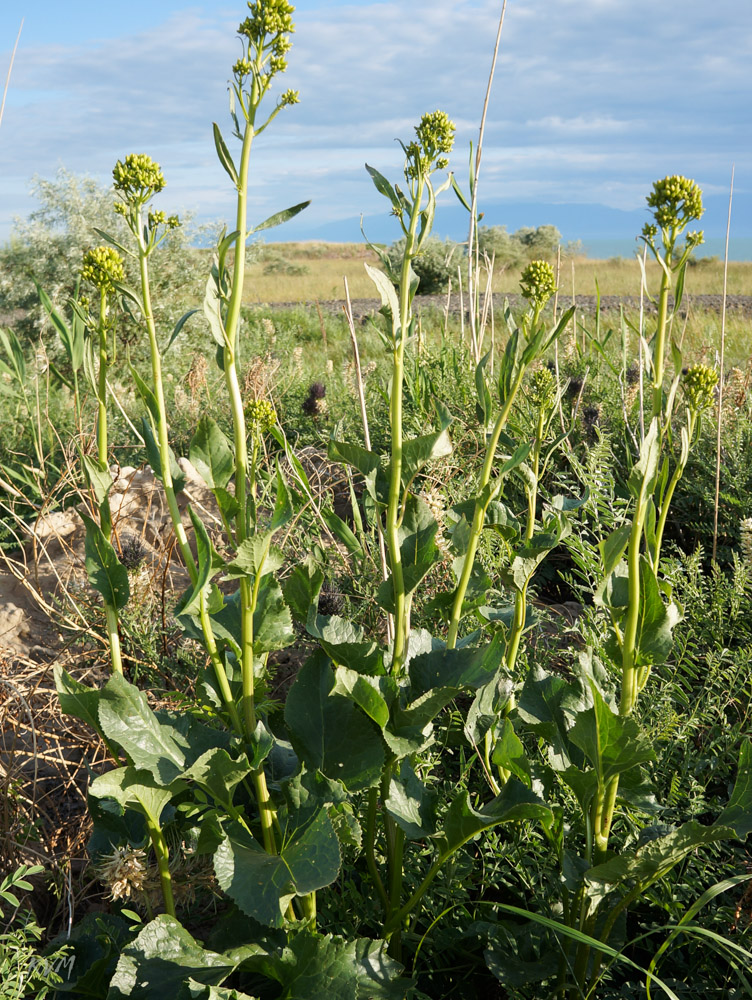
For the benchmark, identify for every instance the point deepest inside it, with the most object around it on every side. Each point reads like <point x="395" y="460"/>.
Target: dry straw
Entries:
<point x="720" y="379"/>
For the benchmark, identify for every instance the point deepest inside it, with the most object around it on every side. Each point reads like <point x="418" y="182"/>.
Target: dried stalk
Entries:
<point x="720" y="378"/>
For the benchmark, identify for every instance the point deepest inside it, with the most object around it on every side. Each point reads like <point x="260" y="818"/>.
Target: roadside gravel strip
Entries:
<point x="585" y="303"/>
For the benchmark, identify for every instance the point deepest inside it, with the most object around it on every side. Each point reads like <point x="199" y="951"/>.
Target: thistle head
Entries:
<point x="542" y="389"/>
<point x="137" y="179"/>
<point x="434" y="139"/>
<point x="676" y="201"/>
<point x="538" y="283"/>
<point x="102" y="267"/>
<point x="699" y="383"/>
<point x="260" y="416"/>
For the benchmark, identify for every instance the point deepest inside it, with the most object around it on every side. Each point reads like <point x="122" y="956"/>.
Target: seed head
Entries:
<point x="260" y="416"/>
<point x="137" y="178"/>
<point x="699" y="384"/>
<point x="102" y="267"/>
<point x="675" y="201"/>
<point x="124" y="872"/>
<point x="538" y="282"/>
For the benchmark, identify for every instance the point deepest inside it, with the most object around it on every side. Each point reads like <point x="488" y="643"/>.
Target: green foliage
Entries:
<point x="436" y="264"/>
<point x="516" y="249"/>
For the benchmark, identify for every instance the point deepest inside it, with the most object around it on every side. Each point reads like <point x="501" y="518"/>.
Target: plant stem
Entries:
<point x="162" y="853"/>
<point x="479" y="514"/>
<point x="370" y="849"/>
<point x="162" y="426"/>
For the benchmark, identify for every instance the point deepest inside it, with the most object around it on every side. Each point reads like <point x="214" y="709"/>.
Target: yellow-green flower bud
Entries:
<point x="542" y="389"/>
<point x="242" y="69"/>
<point x="538" y="282"/>
<point x="435" y="137"/>
<point x="289" y="97"/>
<point x="102" y="267"/>
<point x="137" y="178"/>
<point x="699" y="383"/>
<point x="675" y="201"/>
<point x="260" y="416"/>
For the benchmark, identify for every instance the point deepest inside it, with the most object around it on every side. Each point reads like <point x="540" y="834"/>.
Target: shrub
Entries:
<point x="435" y="265"/>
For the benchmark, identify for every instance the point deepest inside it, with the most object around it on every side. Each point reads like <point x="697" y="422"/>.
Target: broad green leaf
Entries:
<point x="210" y="453"/>
<point x="456" y="668"/>
<point x="272" y="621"/>
<point x="372" y="694"/>
<point x="302" y="590"/>
<point x="383" y="186"/>
<point x="328" y="732"/>
<point x="411" y="803"/>
<point x="344" y="643"/>
<point x="255" y="556"/>
<point x="508" y="752"/>
<point x="313" y="967"/>
<point x="416" y="534"/>
<point x="462" y="822"/>
<point x="489" y="702"/>
<point x="213" y="310"/>
<point x="72" y="338"/>
<point x="611" y="742"/>
<point x="531" y="554"/>
<point x="387" y="293"/>
<point x="410" y="729"/>
<point x="98" y="477"/>
<point x="217" y="774"/>
<point x="193" y="990"/>
<point x="77" y="699"/>
<point x="283" y="510"/>
<point x="135" y="789"/>
<point x="15" y="354"/>
<point x="368" y="464"/>
<point x="656" y="858"/>
<point x="738" y="812"/>
<point x="106" y="573"/>
<point x="161" y="959"/>
<point x="148" y="398"/>
<point x="279" y="217"/>
<point x="542" y="707"/>
<point x="612" y="548"/>
<point x="656" y="620"/>
<point x="263" y="884"/>
<point x="645" y="471"/>
<point x="417" y="452"/>
<point x="224" y="155"/>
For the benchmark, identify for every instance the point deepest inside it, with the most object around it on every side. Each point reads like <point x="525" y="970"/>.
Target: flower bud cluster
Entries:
<point x="542" y="389"/>
<point x="435" y="137"/>
<point x="158" y="218"/>
<point x="699" y="384"/>
<point x="260" y="416"/>
<point x="538" y="282"/>
<point x="137" y="178"/>
<point x="675" y="201"/>
<point x="102" y="267"/>
<point x="270" y="19"/>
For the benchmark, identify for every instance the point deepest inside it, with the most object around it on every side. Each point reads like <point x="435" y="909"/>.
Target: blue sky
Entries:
<point x="593" y="100"/>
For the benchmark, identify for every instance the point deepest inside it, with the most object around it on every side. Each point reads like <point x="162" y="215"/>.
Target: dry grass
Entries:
<point x="328" y="263"/>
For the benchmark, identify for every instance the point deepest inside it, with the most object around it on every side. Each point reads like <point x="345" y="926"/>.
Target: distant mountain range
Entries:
<point x="604" y="232"/>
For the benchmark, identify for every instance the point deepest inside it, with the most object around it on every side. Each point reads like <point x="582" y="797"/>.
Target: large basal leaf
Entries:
<point x="372" y="694"/>
<point x="161" y="960"/>
<point x="411" y="803"/>
<point x="263" y="884"/>
<point x="456" y="668"/>
<point x="106" y="573"/>
<point x="164" y="745"/>
<point x="344" y="643"/>
<point x="410" y="728"/>
<point x="193" y="990"/>
<point x="489" y="701"/>
<point x="462" y="822"/>
<point x="314" y="967"/>
<point x="210" y="453"/>
<point x="328" y="732"/>
<point x="547" y="706"/>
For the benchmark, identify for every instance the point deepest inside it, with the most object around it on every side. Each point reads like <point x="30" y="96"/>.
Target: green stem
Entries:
<point x="659" y="348"/>
<point x="219" y="670"/>
<point x="162" y="853"/>
<point x="162" y="426"/>
<point x="479" y="513"/>
<point x="678" y="473"/>
<point x="113" y="638"/>
<point x="371" y="849"/>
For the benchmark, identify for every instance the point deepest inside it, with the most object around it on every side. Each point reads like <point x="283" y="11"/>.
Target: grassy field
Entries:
<point x="305" y="272"/>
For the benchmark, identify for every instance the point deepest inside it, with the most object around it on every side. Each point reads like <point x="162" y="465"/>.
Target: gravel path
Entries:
<point x="586" y="303"/>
